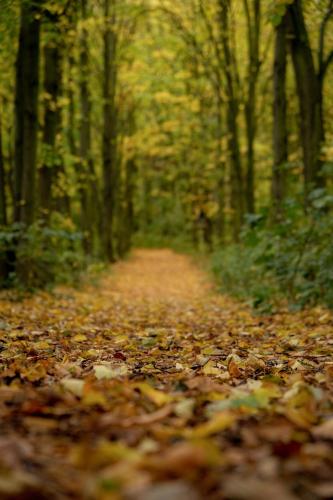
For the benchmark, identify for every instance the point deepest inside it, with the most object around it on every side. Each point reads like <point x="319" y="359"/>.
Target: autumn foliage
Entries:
<point x="150" y="385"/>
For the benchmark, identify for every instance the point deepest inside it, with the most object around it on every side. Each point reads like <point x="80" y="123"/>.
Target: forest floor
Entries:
<point x="151" y="386"/>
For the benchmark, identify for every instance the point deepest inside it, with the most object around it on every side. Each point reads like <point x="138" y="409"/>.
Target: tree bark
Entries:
<point x="309" y="95"/>
<point x="26" y="112"/>
<point x="280" y="133"/>
<point x="3" y="199"/>
<point x="52" y="89"/>
<point x="109" y="127"/>
<point x="87" y="181"/>
<point x="253" y="31"/>
<point x="221" y="169"/>
<point x="236" y="177"/>
<point x="126" y="214"/>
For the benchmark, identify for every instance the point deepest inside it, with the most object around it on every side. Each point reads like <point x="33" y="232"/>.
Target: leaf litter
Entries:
<point x="152" y="386"/>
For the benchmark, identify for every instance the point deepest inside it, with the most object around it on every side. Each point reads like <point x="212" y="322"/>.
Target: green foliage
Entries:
<point x="40" y="255"/>
<point x="277" y="9"/>
<point x="240" y="274"/>
<point x="179" y="243"/>
<point x="292" y="260"/>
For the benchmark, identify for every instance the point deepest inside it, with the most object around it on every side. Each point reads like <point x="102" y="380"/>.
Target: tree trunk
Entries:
<point x="3" y="200"/>
<point x="125" y="208"/>
<point x="86" y="167"/>
<point x="131" y="170"/>
<point x="71" y="117"/>
<point x="52" y="89"/>
<point x="308" y="90"/>
<point x="280" y="133"/>
<point x="253" y="30"/>
<point x="109" y="127"/>
<point x="220" y="168"/>
<point x="71" y="139"/>
<point x="26" y="112"/>
<point x="236" y="177"/>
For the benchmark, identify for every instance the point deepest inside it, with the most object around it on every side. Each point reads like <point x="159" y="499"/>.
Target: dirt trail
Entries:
<point x="160" y="275"/>
<point x="153" y="387"/>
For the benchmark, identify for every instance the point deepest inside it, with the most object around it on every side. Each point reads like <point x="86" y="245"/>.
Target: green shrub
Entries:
<point x="40" y="255"/>
<point x="240" y="274"/>
<point x="291" y="260"/>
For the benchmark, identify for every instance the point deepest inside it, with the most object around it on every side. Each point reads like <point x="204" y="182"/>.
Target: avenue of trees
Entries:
<point x="171" y="118"/>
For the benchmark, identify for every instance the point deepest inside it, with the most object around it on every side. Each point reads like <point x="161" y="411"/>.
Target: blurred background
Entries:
<point x="202" y="125"/>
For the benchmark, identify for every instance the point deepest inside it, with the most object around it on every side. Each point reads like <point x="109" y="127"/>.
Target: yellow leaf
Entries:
<point x="157" y="397"/>
<point x="42" y="344"/>
<point x="73" y="385"/>
<point x="80" y="337"/>
<point x="218" y="423"/>
<point x="211" y="369"/>
<point x="300" y="405"/>
<point x="34" y="373"/>
<point x="105" y="372"/>
<point x="92" y="398"/>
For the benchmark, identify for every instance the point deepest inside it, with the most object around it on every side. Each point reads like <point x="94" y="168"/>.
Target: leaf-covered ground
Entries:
<point x="153" y="387"/>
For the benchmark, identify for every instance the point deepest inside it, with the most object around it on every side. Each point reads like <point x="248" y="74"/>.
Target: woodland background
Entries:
<point x="198" y="124"/>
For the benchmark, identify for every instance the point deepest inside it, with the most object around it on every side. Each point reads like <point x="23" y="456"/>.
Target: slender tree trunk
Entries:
<point x="324" y="62"/>
<point x="126" y="214"/>
<point x="109" y="128"/>
<point x="236" y="177"/>
<point x="280" y="133"/>
<point x="8" y="154"/>
<point x="52" y="89"/>
<point x="3" y="213"/>
<point x="3" y="199"/>
<point x="253" y="29"/>
<point x="221" y="168"/>
<point x="26" y="112"/>
<point x="310" y="100"/>
<point x="146" y="193"/>
<point x="131" y="170"/>
<point x="87" y="177"/>
<point x="71" y="124"/>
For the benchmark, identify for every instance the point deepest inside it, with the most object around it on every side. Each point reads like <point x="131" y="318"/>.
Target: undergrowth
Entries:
<point x="291" y="261"/>
<point x="41" y="255"/>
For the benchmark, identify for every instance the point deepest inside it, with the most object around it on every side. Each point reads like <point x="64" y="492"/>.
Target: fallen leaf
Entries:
<point x="80" y="337"/>
<point x="216" y="424"/>
<point x="107" y="373"/>
<point x="158" y="397"/>
<point x="233" y="369"/>
<point x="73" y="385"/>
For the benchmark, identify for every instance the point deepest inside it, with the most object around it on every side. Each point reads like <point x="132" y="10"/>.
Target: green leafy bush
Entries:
<point x="40" y="255"/>
<point x="292" y="260"/>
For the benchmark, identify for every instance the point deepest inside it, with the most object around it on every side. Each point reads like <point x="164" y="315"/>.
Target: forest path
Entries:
<point x="160" y="275"/>
<point x="152" y="386"/>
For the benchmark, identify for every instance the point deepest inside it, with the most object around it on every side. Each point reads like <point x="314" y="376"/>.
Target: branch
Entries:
<point x="325" y="65"/>
<point x="211" y="71"/>
<point x="210" y="32"/>
<point x="322" y="32"/>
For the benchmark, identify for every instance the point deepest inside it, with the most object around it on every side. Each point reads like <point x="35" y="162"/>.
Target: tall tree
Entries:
<point x="309" y="83"/>
<point x="3" y="199"/>
<point x="26" y="111"/>
<point x="253" y="21"/>
<point x="236" y="177"/>
<point x="86" y="166"/>
<point x="51" y="127"/>
<point x="280" y="133"/>
<point x="109" y="126"/>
